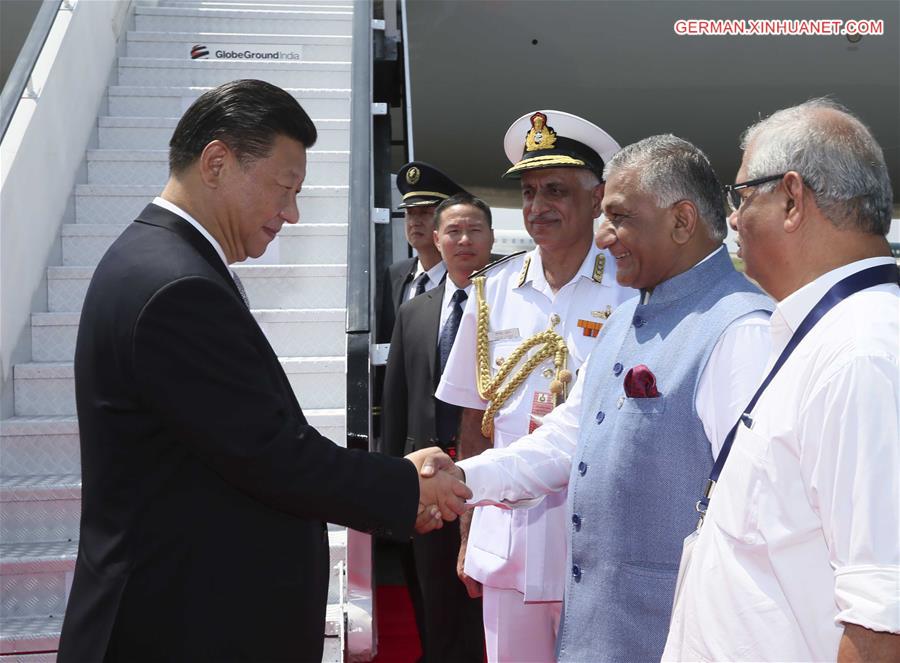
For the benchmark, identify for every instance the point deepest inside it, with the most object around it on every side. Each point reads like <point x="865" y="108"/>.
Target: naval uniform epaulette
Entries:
<point x="500" y="261"/>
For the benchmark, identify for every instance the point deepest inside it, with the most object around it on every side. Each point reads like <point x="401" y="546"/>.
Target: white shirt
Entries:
<point x="175" y="209"/>
<point x="803" y="528"/>
<point x="435" y="274"/>
<point x="447" y="303"/>
<point x="526" y="550"/>
<point x="540" y="463"/>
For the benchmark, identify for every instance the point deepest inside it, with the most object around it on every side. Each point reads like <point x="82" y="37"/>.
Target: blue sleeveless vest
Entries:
<point x="641" y="463"/>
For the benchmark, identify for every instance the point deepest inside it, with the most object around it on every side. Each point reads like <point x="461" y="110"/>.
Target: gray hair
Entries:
<point x="672" y="169"/>
<point x="588" y="179"/>
<point x="835" y="154"/>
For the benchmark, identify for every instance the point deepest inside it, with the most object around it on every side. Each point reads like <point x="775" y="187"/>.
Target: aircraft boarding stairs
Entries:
<point x="297" y="292"/>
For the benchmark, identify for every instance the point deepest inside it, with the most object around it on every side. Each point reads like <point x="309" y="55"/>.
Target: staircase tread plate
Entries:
<point x="36" y="557"/>
<point x="49" y="425"/>
<point x="46" y="424"/>
<point x="40" y="488"/>
<point x="153" y="122"/>
<point x="115" y="229"/>
<point x="48" y="370"/>
<point x="248" y="12"/>
<point x="152" y="190"/>
<point x="183" y="90"/>
<point x="28" y="629"/>
<point x="181" y="63"/>
<point x="232" y="37"/>
<point x="262" y="314"/>
<point x="244" y="271"/>
<point x="162" y="156"/>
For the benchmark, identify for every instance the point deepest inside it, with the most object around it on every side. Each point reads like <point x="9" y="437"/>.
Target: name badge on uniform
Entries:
<point x="541" y="406"/>
<point x="503" y="335"/>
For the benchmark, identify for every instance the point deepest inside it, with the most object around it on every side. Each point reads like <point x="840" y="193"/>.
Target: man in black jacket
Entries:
<point x="204" y="487"/>
<point x="413" y="419"/>
<point x="423" y="188"/>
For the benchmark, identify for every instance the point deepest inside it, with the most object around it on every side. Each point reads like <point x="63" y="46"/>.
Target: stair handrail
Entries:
<point x="18" y="83"/>
<point x="359" y="244"/>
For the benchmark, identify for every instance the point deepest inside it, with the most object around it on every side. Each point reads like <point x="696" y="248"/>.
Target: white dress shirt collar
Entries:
<point x="791" y="310"/>
<point x="538" y="280"/>
<point x="175" y="209"/>
<point x="435" y="274"/>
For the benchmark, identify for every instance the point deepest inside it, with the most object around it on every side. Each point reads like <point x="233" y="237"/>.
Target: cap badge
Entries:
<point x="541" y="137"/>
<point x="413" y="175"/>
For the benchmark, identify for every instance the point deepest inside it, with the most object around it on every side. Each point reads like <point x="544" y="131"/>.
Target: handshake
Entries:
<point x="442" y="493"/>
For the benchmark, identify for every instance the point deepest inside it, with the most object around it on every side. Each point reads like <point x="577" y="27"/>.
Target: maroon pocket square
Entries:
<point x="640" y="383"/>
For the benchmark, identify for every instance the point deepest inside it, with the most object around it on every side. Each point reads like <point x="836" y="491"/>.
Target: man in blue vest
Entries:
<point x="637" y="436"/>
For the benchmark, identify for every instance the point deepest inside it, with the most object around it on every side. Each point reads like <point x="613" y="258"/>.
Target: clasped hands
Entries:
<point x="442" y="493"/>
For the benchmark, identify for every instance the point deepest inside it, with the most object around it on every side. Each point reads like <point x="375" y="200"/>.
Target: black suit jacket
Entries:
<point x="204" y="488"/>
<point x="412" y="375"/>
<point x="452" y="622"/>
<point x="396" y="276"/>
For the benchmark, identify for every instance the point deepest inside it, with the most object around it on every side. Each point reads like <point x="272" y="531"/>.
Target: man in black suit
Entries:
<point x="423" y="187"/>
<point x="204" y="487"/>
<point x="413" y="419"/>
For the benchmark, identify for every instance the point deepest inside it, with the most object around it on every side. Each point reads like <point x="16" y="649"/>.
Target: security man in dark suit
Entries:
<point x="423" y="187"/>
<point x="413" y="419"/>
<point x="204" y="488"/>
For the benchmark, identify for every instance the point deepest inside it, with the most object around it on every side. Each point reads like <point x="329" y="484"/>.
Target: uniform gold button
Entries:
<point x="554" y="319"/>
<point x="548" y="373"/>
<point x="499" y="361"/>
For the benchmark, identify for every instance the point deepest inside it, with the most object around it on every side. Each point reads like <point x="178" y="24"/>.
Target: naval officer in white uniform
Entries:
<point x="533" y="321"/>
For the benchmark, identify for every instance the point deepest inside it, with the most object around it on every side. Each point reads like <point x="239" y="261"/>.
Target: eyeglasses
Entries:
<point x="734" y="198"/>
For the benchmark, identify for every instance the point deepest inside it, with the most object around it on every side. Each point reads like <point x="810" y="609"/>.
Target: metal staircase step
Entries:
<point x="121" y="204"/>
<point x="41" y="634"/>
<point x="291" y="333"/>
<point x="172" y="101"/>
<point x="306" y="48"/>
<point x="267" y="286"/>
<point x="83" y="245"/>
<point x="31" y="634"/>
<point x="245" y="19"/>
<point x="40" y="445"/>
<point x="310" y="5"/>
<point x="154" y="133"/>
<point x="49" y="388"/>
<point x="40" y="508"/>
<point x="35" y="578"/>
<point x="48" y="444"/>
<point x="179" y="71"/>
<point x="133" y="166"/>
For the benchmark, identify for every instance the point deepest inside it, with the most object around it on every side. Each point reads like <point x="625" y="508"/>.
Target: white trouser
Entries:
<point x="515" y="631"/>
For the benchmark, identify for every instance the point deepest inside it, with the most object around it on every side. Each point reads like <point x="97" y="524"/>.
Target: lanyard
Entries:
<point x="867" y="278"/>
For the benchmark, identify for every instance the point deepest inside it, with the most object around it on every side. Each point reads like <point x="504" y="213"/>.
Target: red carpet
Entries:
<point x="398" y="640"/>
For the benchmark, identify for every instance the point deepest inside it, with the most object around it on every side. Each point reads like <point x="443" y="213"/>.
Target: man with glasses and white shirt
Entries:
<point x="798" y="556"/>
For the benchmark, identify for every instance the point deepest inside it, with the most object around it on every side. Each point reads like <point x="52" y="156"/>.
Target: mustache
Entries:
<point x="543" y="217"/>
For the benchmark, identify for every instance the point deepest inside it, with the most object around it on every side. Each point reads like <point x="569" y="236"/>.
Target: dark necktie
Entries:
<point x="420" y="283"/>
<point x="240" y="287"/>
<point x="446" y="415"/>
